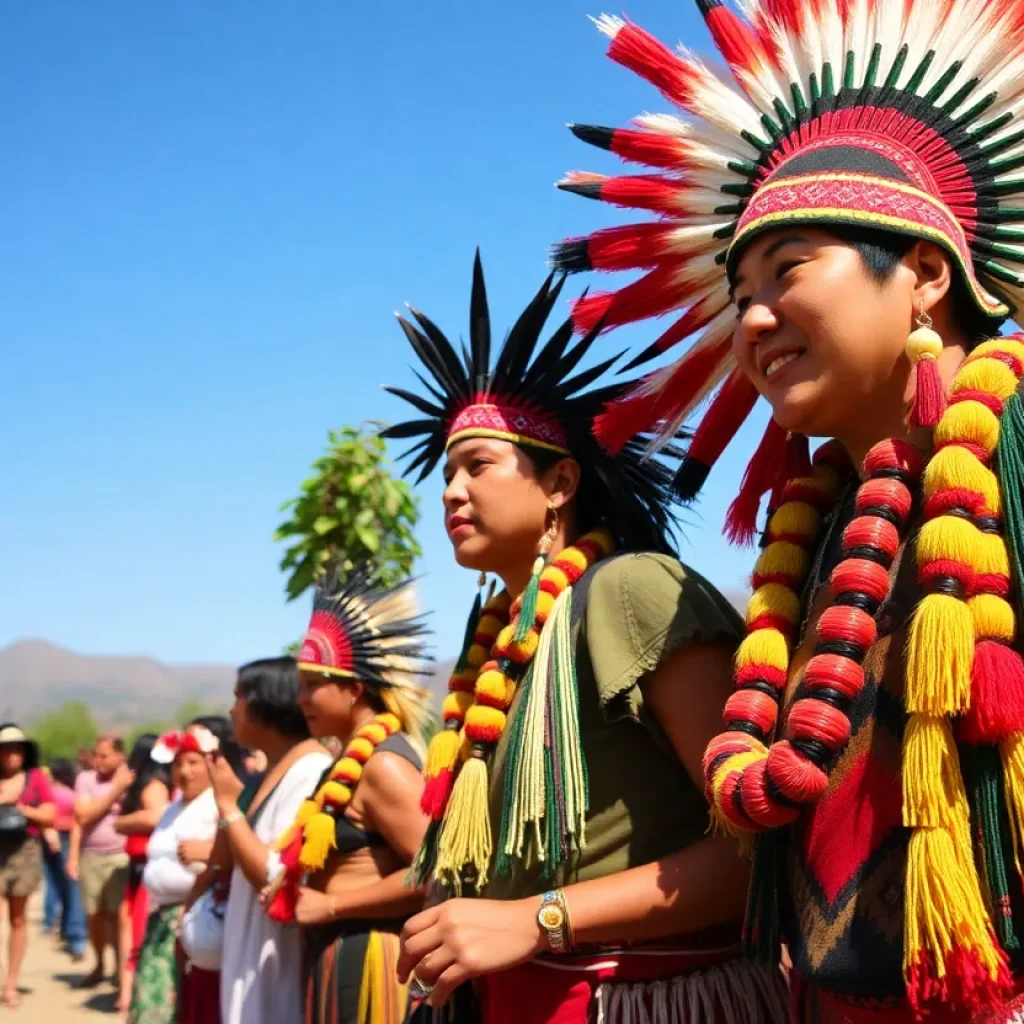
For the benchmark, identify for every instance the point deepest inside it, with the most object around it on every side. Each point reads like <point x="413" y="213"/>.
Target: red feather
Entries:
<point x="761" y="473"/>
<point x="639" y="51"/>
<point x="652" y="295"/>
<point x="726" y="414"/>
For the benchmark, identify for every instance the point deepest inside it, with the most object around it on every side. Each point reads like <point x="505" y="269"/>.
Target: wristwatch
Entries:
<point x="553" y="919"/>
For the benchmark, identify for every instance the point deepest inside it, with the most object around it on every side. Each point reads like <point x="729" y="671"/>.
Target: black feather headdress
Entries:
<point x="534" y="396"/>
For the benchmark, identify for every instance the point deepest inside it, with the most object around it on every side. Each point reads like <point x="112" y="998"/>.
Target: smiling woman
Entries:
<point x="570" y="869"/>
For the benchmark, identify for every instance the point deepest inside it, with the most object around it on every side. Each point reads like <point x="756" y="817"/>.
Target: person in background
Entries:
<point x="178" y="850"/>
<point x="98" y="860"/>
<point x="63" y="908"/>
<point x="360" y="670"/>
<point x="141" y="809"/>
<point x="84" y="759"/>
<point x="26" y="808"/>
<point x="262" y="959"/>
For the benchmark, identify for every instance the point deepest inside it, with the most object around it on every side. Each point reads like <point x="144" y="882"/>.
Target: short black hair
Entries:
<point x="63" y="771"/>
<point x="270" y="687"/>
<point x="881" y="252"/>
<point x="228" y="747"/>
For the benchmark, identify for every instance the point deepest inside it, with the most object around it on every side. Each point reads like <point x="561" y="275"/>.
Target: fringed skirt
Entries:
<point x="647" y="985"/>
<point x="351" y="976"/>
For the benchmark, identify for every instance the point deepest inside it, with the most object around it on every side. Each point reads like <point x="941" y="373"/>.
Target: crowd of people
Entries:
<point x="639" y="805"/>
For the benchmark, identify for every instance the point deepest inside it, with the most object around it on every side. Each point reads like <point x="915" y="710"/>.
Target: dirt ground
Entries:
<point x="49" y="977"/>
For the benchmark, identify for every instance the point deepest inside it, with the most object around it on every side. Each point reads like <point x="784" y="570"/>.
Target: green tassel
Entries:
<point x="991" y="837"/>
<point x="422" y="869"/>
<point x="528" y="605"/>
<point x="1010" y="465"/>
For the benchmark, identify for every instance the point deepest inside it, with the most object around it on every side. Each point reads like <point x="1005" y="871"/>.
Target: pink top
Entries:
<point x="36" y="793"/>
<point x="64" y="805"/>
<point x="101" y="837"/>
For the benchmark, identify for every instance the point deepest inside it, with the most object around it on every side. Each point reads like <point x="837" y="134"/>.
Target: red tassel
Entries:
<point x="282" y="907"/>
<point x="997" y="695"/>
<point x="760" y="476"/>
<point x="732" y="36"/>
<point x="652" y="295"/>
<point x="726" y="414"/>
<point x="929" y="395"/>
<point x="435" y="794"/>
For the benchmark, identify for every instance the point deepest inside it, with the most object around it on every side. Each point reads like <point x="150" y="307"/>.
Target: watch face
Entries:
<point x="551" y="917"/>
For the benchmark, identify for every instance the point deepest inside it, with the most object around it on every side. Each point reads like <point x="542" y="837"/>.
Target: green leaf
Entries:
<point x="324" y="524"/>
<point x="369" y="538"/>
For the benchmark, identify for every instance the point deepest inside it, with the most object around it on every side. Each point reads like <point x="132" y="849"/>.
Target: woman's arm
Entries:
<point x="155" y="799"/>
<point x="44" y="815"/>
<point x="219" y="863"/>
<point x="391" y="788"/>
<point x="74" y="848"/>
<point x="696" y="888"/>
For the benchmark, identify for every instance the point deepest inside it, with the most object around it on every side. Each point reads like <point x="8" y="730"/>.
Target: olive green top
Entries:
<point x="643" y="806"/>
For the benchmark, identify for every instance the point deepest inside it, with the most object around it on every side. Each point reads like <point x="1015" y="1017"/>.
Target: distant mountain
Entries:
<point x="37" y="676"/>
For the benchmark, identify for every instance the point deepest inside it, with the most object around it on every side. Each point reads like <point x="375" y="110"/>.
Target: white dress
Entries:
<point x="261" y="967"/>
<point x="166" y="878"/>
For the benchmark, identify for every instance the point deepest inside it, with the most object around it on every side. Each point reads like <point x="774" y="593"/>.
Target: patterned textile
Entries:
<point x="155" y="992"/>
<point x="351" y="977"/>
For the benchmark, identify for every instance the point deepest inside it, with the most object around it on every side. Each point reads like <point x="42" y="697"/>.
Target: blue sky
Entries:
<point x="208" y="212"/>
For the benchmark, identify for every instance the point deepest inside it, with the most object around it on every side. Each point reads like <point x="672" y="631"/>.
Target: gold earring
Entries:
<point x="549" y="535"/>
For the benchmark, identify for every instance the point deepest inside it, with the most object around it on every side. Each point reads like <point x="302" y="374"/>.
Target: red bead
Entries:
<point x="752" y="706"/>
<point x="893" y="453"/>
<point x="811" y="719"/>
<point x="991" y="583"/>
<point x="872" y="532"/>
<point x="758" y="805"/>
<point x="884" y="493"/>
<point x="834" y="672"/>
<point x="848" y="624"/>
<point x="725" y="744"/>
<point x="793" y="775"/>
<point x="859" y="576"/>
<point x="991" y="402"/>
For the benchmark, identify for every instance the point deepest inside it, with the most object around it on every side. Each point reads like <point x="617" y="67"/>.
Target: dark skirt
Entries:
<point x="350" y="974"/>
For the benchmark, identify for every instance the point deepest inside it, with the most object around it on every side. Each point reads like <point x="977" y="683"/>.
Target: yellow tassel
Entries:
<point x="944" y="905"/>
<point x="456" y="704"/>
<point x="781" y="557"/>
<point x="465" y="839"/>
<point x="1012" y="753"/>
<point x="318" y="841"/>
<point x="939" y="657"/>
<point x="982" y="373"/>
<point x="969" y="421"/>
<point x="956" y="468"/>
<point x="306" y="811"/>
<point x="931" y="772"/>
<point x="949" y="537"/>
<point x="442" y="752"/>
<point x="774" y="599"/>
<point x="334" y="794"/>
<point x="763" y="647"/>
<point x="993" y="617"/>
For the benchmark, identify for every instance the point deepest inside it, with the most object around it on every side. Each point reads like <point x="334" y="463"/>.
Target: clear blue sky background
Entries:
<point x="208" y="212"/>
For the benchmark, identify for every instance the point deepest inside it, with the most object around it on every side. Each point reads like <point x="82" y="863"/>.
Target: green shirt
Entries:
<point x="643" y="805"/>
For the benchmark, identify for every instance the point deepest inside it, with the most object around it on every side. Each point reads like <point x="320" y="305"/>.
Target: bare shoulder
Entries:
<point x="390" y="774"/>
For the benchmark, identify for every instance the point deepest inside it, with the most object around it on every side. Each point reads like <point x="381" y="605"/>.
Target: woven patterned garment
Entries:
<point x="842" y="884"/>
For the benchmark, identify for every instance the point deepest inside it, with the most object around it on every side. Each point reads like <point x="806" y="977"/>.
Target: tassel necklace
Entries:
<point x="459" y="845"/>
<point x="306" y="844"/>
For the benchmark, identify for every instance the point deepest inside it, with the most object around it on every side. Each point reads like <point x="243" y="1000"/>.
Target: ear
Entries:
<point x="356" y="688"/>
<point x="932" y="269"/>
<point x="562" y="482"/>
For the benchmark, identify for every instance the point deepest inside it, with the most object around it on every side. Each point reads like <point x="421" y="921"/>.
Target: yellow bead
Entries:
<point x="505" y="638"/>
<point x="523" y="651"/>
<point x="553" y="574"/>
<point x="773" y="599"/>
<point x="360" y="748"/>
<point x="456" y="704"/>
<point x="480" y="716"/>
<point x="969" y="421"/>
<point x="574" y="557"/>
<point x="347" y="768"/>
<point x="764" y="647"/>
<point x="497" y="686"/>
<point x="391" y="722"/>
<point x="334" y="794"/>
<point x="477" y="653"/>
<point x="924" y="343"/>
<point x="545" y="602"/>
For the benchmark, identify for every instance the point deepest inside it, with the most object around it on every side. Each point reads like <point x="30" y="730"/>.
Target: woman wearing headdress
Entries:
<point x="345" y="859"/>
<point x="567" y="846"/>
<point x="845" y="230"/>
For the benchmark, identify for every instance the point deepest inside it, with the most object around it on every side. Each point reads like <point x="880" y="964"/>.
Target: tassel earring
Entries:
<point x="528" y="602"/>
<point x="924" y="346"/>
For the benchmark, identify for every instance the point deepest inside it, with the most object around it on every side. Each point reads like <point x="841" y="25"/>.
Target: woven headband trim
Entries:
<point x="502" y="435"/>
<point x="312" y="666"/>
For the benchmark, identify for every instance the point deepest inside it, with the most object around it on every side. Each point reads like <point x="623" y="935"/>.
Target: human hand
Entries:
<point x="313" y="907"/>
<point x="463" y="939"/>
<point x="71" y="869"/>
<point x="227" y="786"/>
<point x="193" y="851"/>
<point x="123" y="778"/>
